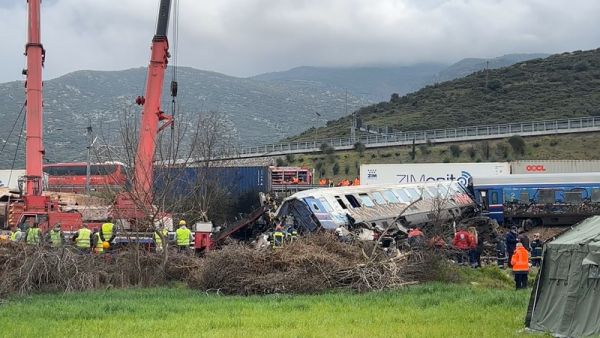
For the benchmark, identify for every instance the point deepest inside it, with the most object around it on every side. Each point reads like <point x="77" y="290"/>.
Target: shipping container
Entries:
<point x="425" y="172"/>
<point x="236" y="181"/>
<point x="554" y="167"/>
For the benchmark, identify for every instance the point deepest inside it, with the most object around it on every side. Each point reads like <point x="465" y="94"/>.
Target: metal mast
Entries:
<point x="34" y="148"/>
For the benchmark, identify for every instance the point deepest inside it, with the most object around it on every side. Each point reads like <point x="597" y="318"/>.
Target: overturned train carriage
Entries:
<point x="416" y="204"/>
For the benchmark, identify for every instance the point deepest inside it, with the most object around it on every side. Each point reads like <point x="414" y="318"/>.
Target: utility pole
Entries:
<point x="90" y="135"/>
<point x="353" y="126"/>
<point x="487" y="72"/>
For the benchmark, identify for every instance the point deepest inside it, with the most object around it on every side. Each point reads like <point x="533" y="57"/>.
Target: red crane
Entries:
<point x="137" y="203"/>
<point x="35" y="207"/>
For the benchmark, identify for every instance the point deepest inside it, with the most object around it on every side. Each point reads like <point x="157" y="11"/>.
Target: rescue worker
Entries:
<point x="83" y="238"/>
<point x="462" y="242"/>
<point x="97" y="242"/>
<point x="159" y="235"/>
<point x="356" y="181"/>
<point x="416" y="238"/>
<point x="183" y="236"/>
<point x="17" y="235"/>
<point x="108" y="232"/>
<point x="292" y="234"/>
<point x="33" y="235"/>
<point x="520" y="266"/>
<point x="474" y="238"/>
<point x="511" y="243"/>
<point x="278" y="237"/>
<point x="501" y="257"/>
<point x="536" y="250"/>
<point x="56" y="238"/>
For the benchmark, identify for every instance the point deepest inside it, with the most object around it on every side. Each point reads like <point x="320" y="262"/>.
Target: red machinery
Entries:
<point x="137" y="204"/>
<point x="33" y="206"/>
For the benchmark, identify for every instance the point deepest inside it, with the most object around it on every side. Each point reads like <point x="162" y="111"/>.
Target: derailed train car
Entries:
<point x="417" y="204"/>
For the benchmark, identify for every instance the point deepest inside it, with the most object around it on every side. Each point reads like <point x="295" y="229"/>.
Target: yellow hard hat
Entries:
<point x="182" y="222"/>
<point x="105" y="245"/>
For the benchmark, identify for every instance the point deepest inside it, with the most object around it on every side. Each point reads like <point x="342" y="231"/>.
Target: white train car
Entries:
<point x="379" y="205"/>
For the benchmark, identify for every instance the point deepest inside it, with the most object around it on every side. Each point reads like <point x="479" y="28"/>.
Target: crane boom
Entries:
<point x="34" y="148"/>
<point x="152" y="114"/>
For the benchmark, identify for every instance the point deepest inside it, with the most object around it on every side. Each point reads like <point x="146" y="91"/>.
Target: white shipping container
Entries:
<point x="426" y="172"/>
<point x="10" y="178"/>
<point x="554" y="167"/>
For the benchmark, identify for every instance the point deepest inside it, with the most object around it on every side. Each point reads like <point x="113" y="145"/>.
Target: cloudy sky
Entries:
<point x="246" y="37"/>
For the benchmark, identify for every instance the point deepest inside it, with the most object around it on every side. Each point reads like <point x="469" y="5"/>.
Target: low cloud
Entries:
<point x="252" y="36"/>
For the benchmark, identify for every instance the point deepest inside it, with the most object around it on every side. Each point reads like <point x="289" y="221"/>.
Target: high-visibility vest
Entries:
<point x="107" y="230"/>
<point x="15" y="235"/>
<point x="55" y="238"/>
<point x="33" y="236"/>
<point x="278" y="239"/>
<point x="158" y="240"/>
<point x="84" y="238"/>
<point x="183" y="236"/>
<point x="99" y="248"/>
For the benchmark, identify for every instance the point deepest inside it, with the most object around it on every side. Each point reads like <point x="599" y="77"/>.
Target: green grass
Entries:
<point x="430" y="310"/>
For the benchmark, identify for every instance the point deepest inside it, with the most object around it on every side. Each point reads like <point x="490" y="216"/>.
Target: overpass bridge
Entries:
<point x="463" y="134"/>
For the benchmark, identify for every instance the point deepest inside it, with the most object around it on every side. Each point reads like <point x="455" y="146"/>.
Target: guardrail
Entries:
<point x="470" y="133"/>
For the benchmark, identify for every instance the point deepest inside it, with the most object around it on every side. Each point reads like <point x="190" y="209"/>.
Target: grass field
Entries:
<point x="430" y="310"/>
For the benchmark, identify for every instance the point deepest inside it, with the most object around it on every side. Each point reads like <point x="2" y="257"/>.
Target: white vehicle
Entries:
<point x="377" y="206"/>
<point x="429" y="172"/>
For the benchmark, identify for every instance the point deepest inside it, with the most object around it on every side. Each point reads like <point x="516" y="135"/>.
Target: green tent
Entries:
<point x="566" y="296"/>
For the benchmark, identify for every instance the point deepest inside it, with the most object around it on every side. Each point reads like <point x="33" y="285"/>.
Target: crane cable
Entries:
<point x="12" y="167"/>
<point x="8" y="138"/>
<point x="174" y="84"/>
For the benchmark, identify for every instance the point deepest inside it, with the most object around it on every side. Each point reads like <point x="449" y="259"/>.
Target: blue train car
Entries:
<point x="235" y="181"/>
<point x="539" y="199"/>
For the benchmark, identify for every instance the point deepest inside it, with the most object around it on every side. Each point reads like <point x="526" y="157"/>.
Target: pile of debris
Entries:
<point x="26" y="269"/>
<point x="316" y="263"/>
<point x="311" y="264"/>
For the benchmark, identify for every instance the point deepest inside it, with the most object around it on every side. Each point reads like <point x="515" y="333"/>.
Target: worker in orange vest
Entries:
<point x="520" y="266"/>
<point x="295" y="180"/>
<point x="322" y="181"/>
<point x="356" y="181"/>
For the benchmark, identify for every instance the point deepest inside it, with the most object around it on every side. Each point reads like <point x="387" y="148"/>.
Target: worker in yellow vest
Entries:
<point x="17" y="235"/>
<point x="160" y="237"/>
<point x="184" y="236"/>
<point x="83" y="238"/>
<point x="97" y="242"/>
<point x="33" y="235"/>
<point x="56" y="236"/>
<point x="108" y="231"/>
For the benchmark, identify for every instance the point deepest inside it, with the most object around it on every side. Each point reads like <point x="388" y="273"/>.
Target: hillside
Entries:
<point x="562" y="85"/>
<point x="378" y="82"/>
<point x="259" y="112"/>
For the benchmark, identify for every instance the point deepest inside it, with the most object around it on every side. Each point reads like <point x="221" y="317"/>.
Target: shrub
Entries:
<point x="290" y="158"/>
<point x="335" y="169"/>
<point x="360" y="148"/>
<point x="455" y="150"/>
<point x="280" y="162"/>
<point x="517" y="144"/>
